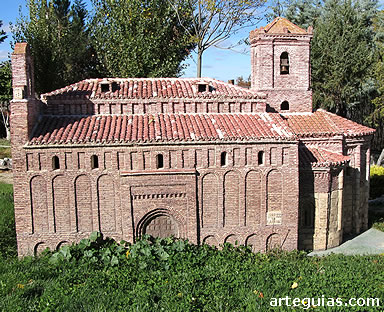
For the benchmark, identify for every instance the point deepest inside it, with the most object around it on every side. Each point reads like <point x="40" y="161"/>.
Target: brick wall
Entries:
<point x="211" y="201"/>
<point x="266" y="76"/>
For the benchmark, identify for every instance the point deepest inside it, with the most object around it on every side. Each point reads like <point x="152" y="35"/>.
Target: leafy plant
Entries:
<point x="376" y="181"/>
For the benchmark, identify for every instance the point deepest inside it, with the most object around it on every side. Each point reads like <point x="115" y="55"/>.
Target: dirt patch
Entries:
<point x="6" y="176"/>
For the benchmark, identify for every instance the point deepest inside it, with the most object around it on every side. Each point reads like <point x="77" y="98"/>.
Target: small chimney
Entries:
<point x="231" y="81"/>
<point x="310" y="30"/>
<point x="25" y="108"/>
<point x="22" y="72"/>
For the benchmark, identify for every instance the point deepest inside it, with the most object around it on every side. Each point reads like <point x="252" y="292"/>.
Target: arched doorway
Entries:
<point x="161" y="225"/>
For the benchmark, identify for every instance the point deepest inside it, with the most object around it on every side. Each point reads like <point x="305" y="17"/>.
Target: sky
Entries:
<point x="221" y="64"/>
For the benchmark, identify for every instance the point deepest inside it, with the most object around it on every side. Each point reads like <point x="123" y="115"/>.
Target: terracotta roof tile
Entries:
<point x="142" y="88"/>
<point x="279" y="26"/>
<point x="323" y="123"/>
<point x="159" y="127"/>
<point x="192" y="127"/>
<point x="318" y="157"/>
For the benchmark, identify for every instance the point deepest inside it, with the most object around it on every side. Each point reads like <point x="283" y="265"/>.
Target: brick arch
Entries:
<point x="83" y="203"/>
<point x="231" y="199"/>
<point x="210" y="240"/>
<point x="106" y="203"/>
<point x="61" y="244"/>
<point x="39" y="248"/>
<point x="253" y="189"/>
<point x="232" y="238"/>
<point x="39" y="205"/>
<point x="61" y="209"/>
<point x="152" y="215"/>
<point x="273" y="241"/>
<point x="210" y="202"/>
<point x="253" y="241"/>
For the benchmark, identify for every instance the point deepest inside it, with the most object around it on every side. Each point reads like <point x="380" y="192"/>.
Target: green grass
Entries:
<point x="173" y="275"/>
<point x="5" y="142"/>
<point x="376" y="216"/>
<point x="7" y="221"/>
<point x="5" y="152"/>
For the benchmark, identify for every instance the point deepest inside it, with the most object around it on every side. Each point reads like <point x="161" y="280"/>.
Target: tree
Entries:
<point x="214" y="21"/>
<point x="342" y="59"/>
<point x="5" y="94"/>
<point x="304" y="13"/>
<point x="241" y="82"/>
<point x="376" y="118"/>
<point x="58" y="35"/>
<point x="137" y="38"/>
<point x="3" y="35"/>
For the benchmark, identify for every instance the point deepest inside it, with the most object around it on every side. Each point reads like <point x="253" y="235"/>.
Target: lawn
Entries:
<point x="172" y="275"/>
<point x="5" y="152"/>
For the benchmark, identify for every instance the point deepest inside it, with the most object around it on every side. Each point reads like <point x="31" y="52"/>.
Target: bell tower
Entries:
<point x="281" y="67"/>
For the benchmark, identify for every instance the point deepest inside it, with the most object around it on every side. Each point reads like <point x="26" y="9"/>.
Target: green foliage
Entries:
<point x="7" y="222"/>
<point x="376" y="187"/>
<point x="94" y="250"/>
<point x="5" y="82"/>
<point x="304" y="13"/>
<point x="136" y="38"/>
<point x="214" y="21"/>
<point x="174" y="275"/>
<point x="58" y="35"/>
<point x="342" y="59"/>
<point x="3" y="34"/>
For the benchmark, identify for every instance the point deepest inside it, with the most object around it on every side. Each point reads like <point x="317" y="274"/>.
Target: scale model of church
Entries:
<point x="196" y="158"/>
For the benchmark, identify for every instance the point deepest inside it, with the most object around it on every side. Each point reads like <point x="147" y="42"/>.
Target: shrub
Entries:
<point x="376" y="182"/>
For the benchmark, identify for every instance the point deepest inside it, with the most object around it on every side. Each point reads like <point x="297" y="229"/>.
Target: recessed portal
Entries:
<point x="161" y="226"/>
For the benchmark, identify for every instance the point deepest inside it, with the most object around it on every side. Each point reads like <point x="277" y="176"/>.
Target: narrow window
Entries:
<point x="202" y="87"/>
<point x="115" y="86"/>
<point x="159" y="161"/>
<point x="223" y="159"/>
<point x="260" y="158"/>
<point x="284" y="63"/>
<point x="284" y="105"/>
<point x="94" y="162"/>
<point x="104" y="87"/>
<point x="55" y="163"/>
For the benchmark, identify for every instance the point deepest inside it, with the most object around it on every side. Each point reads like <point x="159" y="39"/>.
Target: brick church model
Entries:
<point x="192" y="157"/>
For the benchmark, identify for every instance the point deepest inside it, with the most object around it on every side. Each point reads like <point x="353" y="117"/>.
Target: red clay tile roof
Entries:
<point x="191" y="127"/>
<point x="141" y="88"/>
<point x="323" y="123"/>
<point x="279" y="23"/>
<point x="158" y="127"/>
<point x="279" y="26"/>
<point x="318" y="157"/>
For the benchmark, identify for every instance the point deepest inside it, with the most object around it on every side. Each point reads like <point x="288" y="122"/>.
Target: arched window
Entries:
<point x="284" y="105"/>
<point x="284" y="63"/>
<point x="55" y="163"/>
<point x="260" y="158"/>
<point x="94" y="162"/>
<point x="159" y="161"/>
<point x="223" y="159"/>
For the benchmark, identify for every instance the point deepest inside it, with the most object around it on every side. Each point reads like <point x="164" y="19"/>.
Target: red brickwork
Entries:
<point x="197" y="158"/>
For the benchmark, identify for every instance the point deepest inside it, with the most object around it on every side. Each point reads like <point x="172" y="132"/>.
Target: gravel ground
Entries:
<point x="371" y="242"/>
<point x="6" y="176"/>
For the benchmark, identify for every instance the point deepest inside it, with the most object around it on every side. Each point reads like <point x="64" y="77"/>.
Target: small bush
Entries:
<point x="377" y="182"/>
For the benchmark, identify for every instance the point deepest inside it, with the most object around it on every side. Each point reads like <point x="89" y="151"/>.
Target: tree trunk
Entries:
<point x="8" y="133"/>
<point x="199" y="62"/>
<point x="381" y="157"/>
